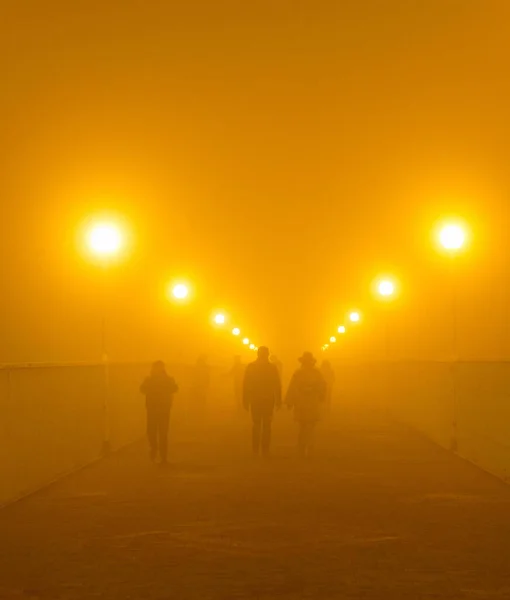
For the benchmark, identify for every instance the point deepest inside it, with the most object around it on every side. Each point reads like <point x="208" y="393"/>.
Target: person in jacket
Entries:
<point x="306" y="393"/>
<point x="159" y="389"/>
<point x="261" y="393"/>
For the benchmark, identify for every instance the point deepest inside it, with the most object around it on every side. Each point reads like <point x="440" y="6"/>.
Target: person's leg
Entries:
<point x="266" y="432"/>
<point x="164" y="422"/>
<point x="152" y="433"/>
<point x="257" y="426"/>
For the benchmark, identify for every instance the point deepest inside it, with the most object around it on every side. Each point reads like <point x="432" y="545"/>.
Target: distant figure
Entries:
<point x="159" y="390"/>
<point x="278" y="364"/>
<point x="307" y="390"/>
<point x="262" y="391"/>
<point x="201" y="382"/>
<point x="237" y="374"/>
<point x="329" y="378"/>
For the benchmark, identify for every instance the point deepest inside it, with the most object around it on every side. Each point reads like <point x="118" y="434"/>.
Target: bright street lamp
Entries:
<point x="452" y="236"/>
<point x="180" y="291"/>
<point x="246" y="341"/>
<point x="220" y="319"/>
<point x="236" y="331"/>
<point x="252" y="346"/>
<point x="354" y="317"/>
<point x="386" y="288"/>
<point x="332" y="339"/>
<point x="342" y="329"/>
<point x="105" y="239"/>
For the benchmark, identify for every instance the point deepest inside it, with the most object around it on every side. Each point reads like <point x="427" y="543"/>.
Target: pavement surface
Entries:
<point x="379" y="512"/>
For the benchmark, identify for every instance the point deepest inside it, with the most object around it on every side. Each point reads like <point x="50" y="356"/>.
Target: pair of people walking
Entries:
<point x="262" y="393"/>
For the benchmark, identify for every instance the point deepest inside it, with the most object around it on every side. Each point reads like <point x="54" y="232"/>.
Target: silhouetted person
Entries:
<point x="307" y="390"/>
<point x="201" y="382"/>
<point x="159" y="390"/>
<point x="261" y="393"/>
<point x="237" y="374"/>
<point x="329" y="378"/>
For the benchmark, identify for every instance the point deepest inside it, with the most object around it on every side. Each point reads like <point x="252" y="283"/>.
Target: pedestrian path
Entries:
<point x="378" y="513"/>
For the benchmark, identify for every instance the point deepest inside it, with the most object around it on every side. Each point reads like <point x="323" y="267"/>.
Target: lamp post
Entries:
<point x="105" y="241"/>
<point x="452" y="238"/>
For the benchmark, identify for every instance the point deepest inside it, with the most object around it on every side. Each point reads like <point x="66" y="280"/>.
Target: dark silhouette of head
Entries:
<point x="263" y="353"/>
<point x="307" y="360"/>
<point x="158" y="368"/>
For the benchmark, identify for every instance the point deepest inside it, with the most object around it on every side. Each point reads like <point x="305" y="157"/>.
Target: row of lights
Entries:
<point x="106" y="239"/>
<point x="451" y="237"/>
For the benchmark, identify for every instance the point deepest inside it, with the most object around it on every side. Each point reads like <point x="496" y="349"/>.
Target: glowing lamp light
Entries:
<point x="246" y="341"/>
<point x="452" y="237"/>
<point x="236" y="331"/>
<point x="342" y="329"/>
<point x="332" y="339"/>
<point x="220" y="319"/>
<point x="105" y="239"/>
<point x="180" y="291"/>
<point x="355" y="317"/>
<point x="252" y="346"/>
<point x="386" y="288"/>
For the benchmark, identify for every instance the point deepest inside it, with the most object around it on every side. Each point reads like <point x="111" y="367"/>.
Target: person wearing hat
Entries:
<point x="261" y="393"/>
<point x="307" y="390"/>
<point x="159" y="389"/>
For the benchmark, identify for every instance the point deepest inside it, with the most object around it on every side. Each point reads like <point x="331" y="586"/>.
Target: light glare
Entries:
<point x="105" y="239"/>
<point x="386" y="288"/>
<point x="180" y="291"/>
<point x="354" y="317"/>
<point x="236" y="331"/>
<point x="220" y="319"/>
<point x="332" y="339"/>
<point x="452" y="237"/>
<point x="341" y="329"/>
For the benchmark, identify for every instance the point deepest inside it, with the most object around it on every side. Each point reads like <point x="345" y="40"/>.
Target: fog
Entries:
<point x="279" y="155"/>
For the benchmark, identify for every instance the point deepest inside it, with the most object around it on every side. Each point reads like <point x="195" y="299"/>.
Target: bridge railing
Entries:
<point x="462" y="405"/>
<point x="55" y="419"/>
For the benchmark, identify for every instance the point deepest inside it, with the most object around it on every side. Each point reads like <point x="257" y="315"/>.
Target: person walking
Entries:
<point x="262" y="391"/>
<point x="159" y="389"/>
<point x="307" y="390"/>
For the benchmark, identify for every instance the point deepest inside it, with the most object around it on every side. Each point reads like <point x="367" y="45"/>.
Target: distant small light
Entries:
<point x="220" y="319"/>
<point x="246" y="341"/>
<point x="236" y="331"/>
<point x="252" y="346"/>
<point x="341" y="329"/>
<point x="355" y="317"/>
<point x="332" y="339"/>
